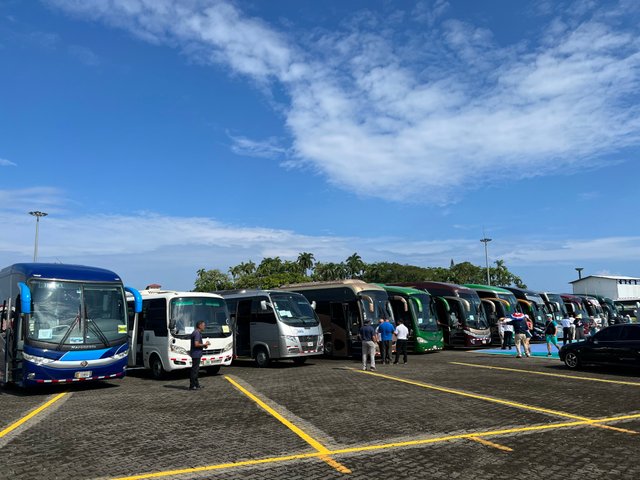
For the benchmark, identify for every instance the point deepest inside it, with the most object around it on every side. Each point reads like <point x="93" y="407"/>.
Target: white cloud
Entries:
<point x="6" y="163"/>
<point x="394" y="118"/>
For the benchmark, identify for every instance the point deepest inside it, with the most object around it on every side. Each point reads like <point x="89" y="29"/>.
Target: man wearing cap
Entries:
<point x="369" y="338"/>
<point x="520" y="329"/>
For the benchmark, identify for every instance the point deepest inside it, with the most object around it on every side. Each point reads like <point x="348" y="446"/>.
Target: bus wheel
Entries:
<point x="328" y="347"/>
<point x="157" y="371"/>
<point x="213" y="370"/>
<point x="299" y="360"/>
<point x="262" y="357"/>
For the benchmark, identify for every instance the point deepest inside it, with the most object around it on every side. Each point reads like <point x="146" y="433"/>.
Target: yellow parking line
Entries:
<point x="509" y="403"/>
<point x="491" y="444"/>
<point x="307" y="438"/>
<point x="368" y="448"/>
<point x="32" y="414"/>
<point x="477" y="396"/>
<point x="573" y="377"/>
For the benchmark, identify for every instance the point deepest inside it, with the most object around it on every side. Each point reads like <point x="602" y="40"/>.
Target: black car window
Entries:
<point x="630" y="332"/>
<point x="607" y="334"/>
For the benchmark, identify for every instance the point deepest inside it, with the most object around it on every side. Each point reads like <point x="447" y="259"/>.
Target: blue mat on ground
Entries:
<point x="537" y="350"/>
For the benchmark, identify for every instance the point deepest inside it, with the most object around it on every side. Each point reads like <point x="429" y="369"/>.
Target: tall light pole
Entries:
<point x="37" y="214"/>
<point x="486" y="240"/>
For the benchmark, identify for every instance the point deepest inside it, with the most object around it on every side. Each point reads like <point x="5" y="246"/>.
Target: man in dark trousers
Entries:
<point x="196" y="355"/>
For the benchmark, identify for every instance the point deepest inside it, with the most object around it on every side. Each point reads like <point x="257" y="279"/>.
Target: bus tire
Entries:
<point x="261" y="357"/>
<point x="213" y="370"/>
<point x="328" y="348"/>
<point x="157" y="370"/>
<point x="299" y="360"/>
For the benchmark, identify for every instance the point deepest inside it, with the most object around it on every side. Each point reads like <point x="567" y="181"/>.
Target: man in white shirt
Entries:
<point x="402" y="333"/>
<point x="566" y="329"/>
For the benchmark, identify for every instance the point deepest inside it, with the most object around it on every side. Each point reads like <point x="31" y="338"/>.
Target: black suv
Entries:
<point x="614" y="345"/>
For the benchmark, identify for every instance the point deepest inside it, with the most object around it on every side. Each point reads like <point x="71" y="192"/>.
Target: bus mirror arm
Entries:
<point x="172" y="324"/>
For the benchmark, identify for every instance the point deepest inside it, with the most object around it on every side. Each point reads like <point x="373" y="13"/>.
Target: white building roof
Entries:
<point x="609" y="277"/>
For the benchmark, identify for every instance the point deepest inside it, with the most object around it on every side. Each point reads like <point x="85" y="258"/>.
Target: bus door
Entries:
<point x="492" y="312"/>
<point x="401" y="311"/>
<point x="449" y="322"/>
<point x="340" y="338"/>
<point x="242" y="328"/>
<point x="5" y="340"/>
<point x="264" y="326"/>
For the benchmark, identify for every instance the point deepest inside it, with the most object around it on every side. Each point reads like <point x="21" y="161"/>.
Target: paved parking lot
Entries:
<point x="453" y="414"/>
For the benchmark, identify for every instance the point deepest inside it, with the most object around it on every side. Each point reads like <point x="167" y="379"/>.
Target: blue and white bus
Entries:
<point x="62" y="324"/>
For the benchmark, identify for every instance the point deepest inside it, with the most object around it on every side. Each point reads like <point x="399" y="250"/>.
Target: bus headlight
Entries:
<point x="228" y="346"/>
<point x="420" y="340"/>
<point x="291" y="340"/>
<point x="121" y="355"/>
<point x="37" y="360"/>
<point x="179" y="349"/>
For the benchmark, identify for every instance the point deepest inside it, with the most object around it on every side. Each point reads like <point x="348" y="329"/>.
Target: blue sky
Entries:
<point x="167" y="136"/>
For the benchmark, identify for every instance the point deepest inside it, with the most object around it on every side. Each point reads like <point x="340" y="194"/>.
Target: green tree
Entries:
<point x="305" y="261"/>
<point x="211" y="280"/>
<point x="500" y="275"/>
<point x="354" y="266"/>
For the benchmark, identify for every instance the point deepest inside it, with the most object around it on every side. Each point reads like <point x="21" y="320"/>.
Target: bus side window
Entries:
<point x="3" y="317"/>
<point x="264" y="316"/>
<point x="155" y="317"/>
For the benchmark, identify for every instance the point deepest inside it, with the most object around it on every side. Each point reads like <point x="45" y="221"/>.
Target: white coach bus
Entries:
<point x="162" y="339"/>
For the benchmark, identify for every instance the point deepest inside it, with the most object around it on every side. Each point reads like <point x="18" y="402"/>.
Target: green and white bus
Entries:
<point x="417" y="311"/>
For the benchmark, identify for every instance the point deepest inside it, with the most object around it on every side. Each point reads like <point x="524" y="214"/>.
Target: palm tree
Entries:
<point x="305" y="260"/>
<point x="354" y="266"/>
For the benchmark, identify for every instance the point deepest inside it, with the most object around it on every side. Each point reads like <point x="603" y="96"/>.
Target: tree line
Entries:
<point x="274" y="272"/>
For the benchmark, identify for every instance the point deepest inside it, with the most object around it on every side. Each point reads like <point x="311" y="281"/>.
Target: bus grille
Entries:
<point x="305" y="339"/>
<point x="213" y="352"/>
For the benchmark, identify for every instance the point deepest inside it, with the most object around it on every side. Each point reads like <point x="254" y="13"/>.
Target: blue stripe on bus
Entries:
<point x="86" y="354"/>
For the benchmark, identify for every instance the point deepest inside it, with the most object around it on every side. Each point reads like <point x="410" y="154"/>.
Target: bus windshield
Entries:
<point x="422" y="310"/>
<point x="187" y="311"/>
<point x="76" y="314"/>
<point x="513" y="302"/>
<point x="294" y="309"/>
<point x="474" y="313"/>
<point x="375" y="305"/>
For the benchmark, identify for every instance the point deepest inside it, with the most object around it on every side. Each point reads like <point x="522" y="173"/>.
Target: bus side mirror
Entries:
<point x="263" y="305"/>
<point x="313" y="304"/>
<point x="172" y="324"/>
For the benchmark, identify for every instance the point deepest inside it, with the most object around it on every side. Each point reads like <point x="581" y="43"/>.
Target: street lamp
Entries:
<point x="486" y="240"/>
<point x="37" y="214"/>
<point x="579" y="270"/>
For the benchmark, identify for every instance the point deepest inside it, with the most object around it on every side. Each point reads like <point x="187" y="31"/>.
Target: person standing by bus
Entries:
<point x="551" y="334"/>
<point x="368" y="338"/>
<point x="520" y="328"/>
<point x="402" y="333"/>
<point x="386" y="330"/>
<point x="196" y="354"/>
<point x="566" y="329"/>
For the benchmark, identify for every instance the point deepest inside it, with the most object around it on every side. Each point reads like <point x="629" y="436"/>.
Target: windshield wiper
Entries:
<point x="99" y="333"/>
<point x="70" y="329"/>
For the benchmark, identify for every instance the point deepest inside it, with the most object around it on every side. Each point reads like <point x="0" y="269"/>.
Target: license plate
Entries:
<point x="309" y="344"/>
<point x="83" y="374"/>
<point x="206" y="362"/>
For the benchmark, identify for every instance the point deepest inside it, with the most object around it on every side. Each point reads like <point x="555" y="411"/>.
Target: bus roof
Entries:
<point x="61" y="271"/>
<point x="249" y="292"/>
<point x="523" y="291"/>
<point x="437" y="288"/>
<point x="399" y="289"/>
<point x="487" y="288"/>
<point x="148" y="292"/>
<point x="353" y="284"/>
